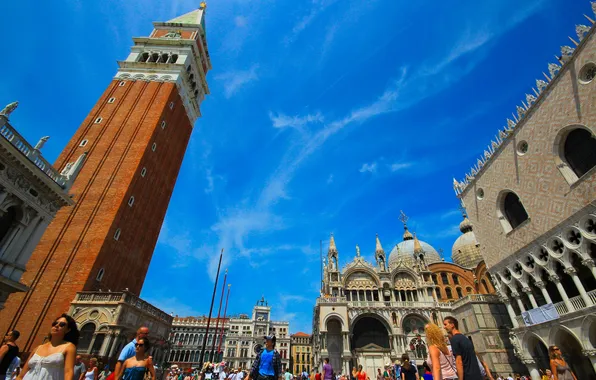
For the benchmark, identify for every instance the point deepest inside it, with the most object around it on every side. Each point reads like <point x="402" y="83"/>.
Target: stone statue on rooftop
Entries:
<point x="41" y="142"/>
<point x="9" y="108"/>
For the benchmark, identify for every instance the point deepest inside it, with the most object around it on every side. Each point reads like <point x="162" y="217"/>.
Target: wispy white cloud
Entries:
<point x="317" y="7"/>
<point x="281" y="120"/>
<point x="234" y="80"/>
<point x="396" y="166"/>
<point x="368" y="168"/>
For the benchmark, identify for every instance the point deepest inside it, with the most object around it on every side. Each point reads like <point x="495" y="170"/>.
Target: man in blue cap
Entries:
<point x="267" y="365"/>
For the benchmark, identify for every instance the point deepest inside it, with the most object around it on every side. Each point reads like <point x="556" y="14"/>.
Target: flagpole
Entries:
<point x="223" y="323"/>
<point x="202" y="358"/>
<point x="223" y="288"/>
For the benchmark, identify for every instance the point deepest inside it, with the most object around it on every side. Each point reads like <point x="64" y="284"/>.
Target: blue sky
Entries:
<point x="324" y="116"/>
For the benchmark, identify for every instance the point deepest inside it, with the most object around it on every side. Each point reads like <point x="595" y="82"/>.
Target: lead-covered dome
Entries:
<point x="405" y="250"/>
<point x="466" y="250"/>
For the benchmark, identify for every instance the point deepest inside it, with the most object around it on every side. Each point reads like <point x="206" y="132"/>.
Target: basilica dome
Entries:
<point x="466" y="250"/>
<point x="405" y="250"/>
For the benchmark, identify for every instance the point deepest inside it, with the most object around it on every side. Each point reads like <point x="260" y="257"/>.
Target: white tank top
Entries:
<point x="89" y="375"/>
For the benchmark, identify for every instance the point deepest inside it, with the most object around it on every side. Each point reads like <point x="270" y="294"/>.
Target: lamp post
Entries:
<point x="202" y="358"/>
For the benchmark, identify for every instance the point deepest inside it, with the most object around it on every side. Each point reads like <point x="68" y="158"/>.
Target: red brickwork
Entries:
<point x="546" y="195"/>
<point x="80" y="241"/>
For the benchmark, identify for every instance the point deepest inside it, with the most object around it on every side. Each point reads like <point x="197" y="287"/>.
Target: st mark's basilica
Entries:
<point x="372" y="313"/>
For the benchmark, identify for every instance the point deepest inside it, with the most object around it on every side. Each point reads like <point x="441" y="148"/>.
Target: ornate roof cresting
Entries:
<point x="522" y="110"/>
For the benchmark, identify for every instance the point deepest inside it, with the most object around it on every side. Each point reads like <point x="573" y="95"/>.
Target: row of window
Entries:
<point x="577" y="156"/>
<point x="445" y="279"/>
<point x="153" y="57"/>
<point x="449" y="292"/>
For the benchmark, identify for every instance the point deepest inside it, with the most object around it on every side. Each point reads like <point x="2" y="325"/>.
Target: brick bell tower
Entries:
<point x="135" y="136"/>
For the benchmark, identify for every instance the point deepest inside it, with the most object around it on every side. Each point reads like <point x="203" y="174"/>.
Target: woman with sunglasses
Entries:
<point x="558" y="366"/>
<point x="136" y="367"/>
<point x="55" y="359"/>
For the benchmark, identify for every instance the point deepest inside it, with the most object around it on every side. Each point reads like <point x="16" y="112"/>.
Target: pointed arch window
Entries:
<point x="579" y="151"/>
<point x="513" y="211"/>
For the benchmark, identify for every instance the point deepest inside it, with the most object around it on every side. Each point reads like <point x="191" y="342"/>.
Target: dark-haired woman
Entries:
<point x="408" y="371"/>
<point x="558" y="366"/>
<point x="136" y="367"/>
<point x="55" y="359"/>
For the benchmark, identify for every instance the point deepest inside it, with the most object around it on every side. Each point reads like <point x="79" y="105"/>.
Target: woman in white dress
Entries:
<point x="55" y="359"/>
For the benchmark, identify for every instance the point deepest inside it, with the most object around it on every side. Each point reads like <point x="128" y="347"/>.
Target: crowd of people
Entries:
<point x="449" y="357"/>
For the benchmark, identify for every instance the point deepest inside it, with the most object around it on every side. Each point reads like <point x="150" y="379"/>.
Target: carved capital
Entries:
<point x="590" y="353"/>
<point x="588" y="262"/>
<point x="554" y="278"/>
<point x="570" y="270"/>
<point x="527" y="289"/>
<point x="515" y="294"/>
<point x="528" y="360"/>
<point x="540" y="284"/>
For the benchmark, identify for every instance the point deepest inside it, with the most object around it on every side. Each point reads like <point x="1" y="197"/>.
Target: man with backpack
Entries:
<point x="267" y="364"/>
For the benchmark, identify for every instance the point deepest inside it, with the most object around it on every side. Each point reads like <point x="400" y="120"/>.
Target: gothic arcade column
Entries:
<point x="528" y="291"/>
<point x="510" y="311"/>
<point x="590" y="264"/>
<point x="520" y="304"/>
<point x="582" y="291"/>
<point x="562" y="291"/>
<point x="545" y="294"/>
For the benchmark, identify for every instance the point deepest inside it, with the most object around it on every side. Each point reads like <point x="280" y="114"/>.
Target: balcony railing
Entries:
<point x="122" y="297"/>
<point x="34" y="155"/>
<point x="476" y="298"/>
<point x="380" y="304"/>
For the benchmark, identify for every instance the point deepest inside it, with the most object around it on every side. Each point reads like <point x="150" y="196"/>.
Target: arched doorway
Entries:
<point x="539" y="352"/>
<point x="335" y="346"/>
<point x="370" y="343"/>
<point x="571" y="350"/>
<point x="413" y="327"/>
<point x="6" y="221"/>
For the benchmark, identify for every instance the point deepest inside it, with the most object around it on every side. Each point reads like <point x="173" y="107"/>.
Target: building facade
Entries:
<point x="531" y="198"/>
<point x="135" y="138"/>
<point x="301" y="357"/>
<point x="188" y="336"/>
<point x="369" y="314"/>
<point x="246" y="334"/>
<point x="109" y="320"/>
<point x="31" y="192"/>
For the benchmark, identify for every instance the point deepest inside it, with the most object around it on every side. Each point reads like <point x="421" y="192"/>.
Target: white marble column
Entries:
<point x="27" y="250"/>
<point x="545" y="294"/>
<point x="590" y="264"/>
<point x="533" y="368"/>
<point x="562" y="291"/>
<point x="510" y="311"/>
<point x="528" y="291"/>
<point x="582" y="291"/>
<point x="520" y="304"/>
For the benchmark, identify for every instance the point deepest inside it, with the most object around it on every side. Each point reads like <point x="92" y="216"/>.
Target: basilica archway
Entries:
<point x="572" y="352"/>
<point x="413" y="328"/>
<point x="335" y="345"/>
<point x="370" y="342"/>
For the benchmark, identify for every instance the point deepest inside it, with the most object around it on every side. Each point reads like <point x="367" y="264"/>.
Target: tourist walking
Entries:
<point x="130" y="350"/>
<point x="466" y="361"/>
<point x="55" y="359"/>
<point x="92" y="373"/>
<point x="440" y="359"/>
<point x="267" y="365"/>
<point x="558" y="365"/>
<point x="547" y="375"/>
<point x="380" y="374"/>
<point x="105" y="373"/>
<point x="8" y="352"/>
<point x="137" y="366"/>
<point x="79" y="368"/>
<point x="361" y="375"/>
<point x="327" y="370"/>
<point x="408" y="370"/>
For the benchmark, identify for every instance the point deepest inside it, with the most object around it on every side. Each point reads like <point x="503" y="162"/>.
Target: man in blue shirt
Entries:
<point x="267" y="365"/>
<point x="129" y="350"/>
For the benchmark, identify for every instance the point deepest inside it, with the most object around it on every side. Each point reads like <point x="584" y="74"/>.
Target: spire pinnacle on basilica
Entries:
<point x="332" y="247"/>
<point x="379" y="247"/>
<point x="417" y="245"/>
<point x="404" y="219"/>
